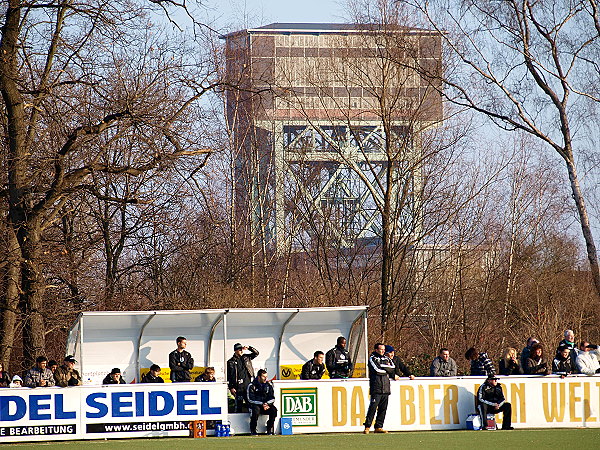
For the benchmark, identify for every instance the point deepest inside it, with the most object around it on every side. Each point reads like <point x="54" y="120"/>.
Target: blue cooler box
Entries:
<point x="473" y="422"/>
<point x="286" y="425"/>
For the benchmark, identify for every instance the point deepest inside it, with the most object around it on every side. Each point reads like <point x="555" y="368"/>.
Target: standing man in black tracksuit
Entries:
<point x="313" y="369"/>
<point x="337" y="360"/>
<point x="180" y="362"/>
<point x="261" y="399"/>
<point x="490" y="399"/>
<point x="240" y="373"/>
<point x="380" y="367"/>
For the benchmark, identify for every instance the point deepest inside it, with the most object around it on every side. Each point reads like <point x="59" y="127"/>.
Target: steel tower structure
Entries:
<point x="316" y="146"/>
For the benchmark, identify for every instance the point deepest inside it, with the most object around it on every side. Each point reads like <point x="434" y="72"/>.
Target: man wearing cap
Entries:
<point x="490" y="400"/>
<point x="66" y="375"/>
<point x="337" y="360"/>
<point x="240" y="373"/>
<point x="114" y="377"/>
<point x="400" y="368"/>
<point x="180" y="362"/>
<point x="39" y="375"/>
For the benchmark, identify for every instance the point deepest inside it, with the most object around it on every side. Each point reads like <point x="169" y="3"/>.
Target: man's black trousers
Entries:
<point x="379" y="403"/>
<point x="256" y="410"/>
<point x="505" y="409"/>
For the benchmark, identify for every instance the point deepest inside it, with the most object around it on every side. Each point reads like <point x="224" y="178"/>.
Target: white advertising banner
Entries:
<point x="114" y="411"/>
<point x="438" y="403"/>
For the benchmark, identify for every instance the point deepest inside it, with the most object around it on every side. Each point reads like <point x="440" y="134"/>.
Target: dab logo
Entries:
<point x="301" y="405"/>
<point x="286" y="373"/>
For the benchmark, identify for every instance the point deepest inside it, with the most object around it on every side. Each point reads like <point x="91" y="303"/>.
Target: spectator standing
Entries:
<point x="562" y="364"/>
<point x="380" y="368"/>
<point x="569" y="340"/>
<point x="153" y="375"/>
<point x="443" y="365"/>
<point x="261" y="399"/>
<point x="527" y="351"/>
<point x="490" y="400"/>
<point x="180" y="362"/>
<point x="207" y="376"/>
<point x="509" y="365"/>
<point x="4" y="377"/>
<point x="114" y="377"/>
<point x="400" y="368"/>
<point x="481" y="364"/>
<point x="314" y="368"/>
<point x="240" y="374"/>
<point x="337" y="360"/>
<point x="536" y="364"/>
<point x="17" y="382"/>
<point x="66" y="375"/>
<point x="39" y="375"/>
<point x="588" y="360"/>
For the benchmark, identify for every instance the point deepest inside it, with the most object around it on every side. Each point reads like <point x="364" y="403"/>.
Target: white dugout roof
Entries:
<point x="134" y="340"/>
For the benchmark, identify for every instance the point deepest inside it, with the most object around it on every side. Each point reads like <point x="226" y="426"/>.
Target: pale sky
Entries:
<point x="254" y="13"/>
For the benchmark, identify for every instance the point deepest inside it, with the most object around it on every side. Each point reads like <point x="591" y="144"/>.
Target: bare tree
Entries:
<point x="526" y="65"/>
<point x="75" y="79"/>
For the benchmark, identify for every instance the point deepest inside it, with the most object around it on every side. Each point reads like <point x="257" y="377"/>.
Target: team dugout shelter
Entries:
<point x="284" y="337"/>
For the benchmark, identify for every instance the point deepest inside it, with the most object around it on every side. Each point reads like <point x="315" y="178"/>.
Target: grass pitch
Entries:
<point x="447" y="440"/>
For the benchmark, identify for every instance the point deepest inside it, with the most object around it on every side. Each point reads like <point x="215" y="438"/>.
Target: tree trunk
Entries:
<point x="10" y="300"/>
<point x="585" y="224"/>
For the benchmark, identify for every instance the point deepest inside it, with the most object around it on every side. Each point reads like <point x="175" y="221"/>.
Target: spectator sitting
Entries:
<point x="17" y="382"/>
<point x="261" y="399"/>
<point x="400" y="368"/>
<point x="314" y="368"/>
<point x="66" y="375"/>
<point x="527" y="351"/>
<point x="588" y="360"/>
<point x="481" y="364"/>
<point x="536" y="364"/>
<point x="153" y="375"/>
<point x="39" y="375"/>
<point x="562" y="364"/>
<point x="114" y="377"/>
<point x="207" y="376"/>
<point x="4" y="377"/>
<point x="52" y="365"/>
<point x="442" y="365"/>
<point x="509" y="365"/>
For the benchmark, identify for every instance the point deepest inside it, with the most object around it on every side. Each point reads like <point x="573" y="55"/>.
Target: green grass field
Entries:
<point x="530" y="439"/>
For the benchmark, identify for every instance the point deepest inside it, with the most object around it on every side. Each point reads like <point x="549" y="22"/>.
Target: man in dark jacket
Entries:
<point x="67" y="375"/>
<point x="153" y="375"/>
<point x="490" y="400"/>
<point x="180" y="362"/>
<point x="481" y="364"/>
<point x="400" y="369"/>
<point x="313" y="369"/>
<point x="337" y="360"/>
<point x="527" y="351"/>
<point x="261" y="399"/>
<point x="114" y="377"/>
<point x="380" y="367"/>
<point x="240" y="373"/>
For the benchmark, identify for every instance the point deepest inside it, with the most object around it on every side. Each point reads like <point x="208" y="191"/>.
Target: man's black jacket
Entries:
<point x="380" y="367"/>
<point x="180" y="364"/>
<point x="312" y="370"/>
<point x="240" y="371"/>
<point x="259" y="393"/>
<point x="338" y="362"/>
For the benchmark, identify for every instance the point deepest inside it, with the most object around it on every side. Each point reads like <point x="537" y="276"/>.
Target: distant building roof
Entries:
<point x="316" y="28"/>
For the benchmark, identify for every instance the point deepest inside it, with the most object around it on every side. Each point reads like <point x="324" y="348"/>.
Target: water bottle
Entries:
<point x="227" y="430"/>
<point x="219" y="430"/>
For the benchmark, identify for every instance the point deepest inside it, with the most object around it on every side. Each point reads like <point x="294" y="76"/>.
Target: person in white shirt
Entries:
<point x="588" y="359"/>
